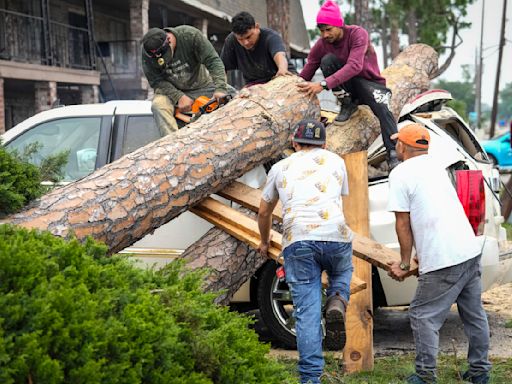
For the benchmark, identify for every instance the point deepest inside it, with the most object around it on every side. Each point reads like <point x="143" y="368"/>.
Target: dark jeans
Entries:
<point x="365" y="92"/>
<point x="304" y="262"/>
<point x="436" y="292"/>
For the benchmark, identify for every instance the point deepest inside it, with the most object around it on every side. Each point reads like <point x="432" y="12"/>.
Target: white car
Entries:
<point x="98" y="134"/>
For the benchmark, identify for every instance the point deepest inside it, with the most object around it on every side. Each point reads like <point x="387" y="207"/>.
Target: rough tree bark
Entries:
<point x="407" y="77"/>
<point x="126" y="200"/>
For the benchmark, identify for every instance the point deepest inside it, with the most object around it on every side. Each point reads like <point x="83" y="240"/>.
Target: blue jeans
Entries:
<point x="436" y="293"/>
<point x="304" y="262"/>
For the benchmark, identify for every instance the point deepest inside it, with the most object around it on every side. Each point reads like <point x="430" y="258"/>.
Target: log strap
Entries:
<point x="245" y="229"/>
<point x="363" y="247"/>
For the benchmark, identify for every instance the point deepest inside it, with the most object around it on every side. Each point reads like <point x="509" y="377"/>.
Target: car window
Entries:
<point x="140" y="130"/>
<point x="459" y="132"/>
<point x="78" y="135"/>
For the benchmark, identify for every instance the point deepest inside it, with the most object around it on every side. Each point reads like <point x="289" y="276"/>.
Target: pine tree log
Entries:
<point x="127" y="199"/>
<point x="408" y="76"/>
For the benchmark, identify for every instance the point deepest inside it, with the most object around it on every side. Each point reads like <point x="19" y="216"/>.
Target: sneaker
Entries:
<point x="335" y="336"/>
<point x="476" y="378"/>
<point x="347" y="109"/>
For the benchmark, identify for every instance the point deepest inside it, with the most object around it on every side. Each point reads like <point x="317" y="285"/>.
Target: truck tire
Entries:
<point x="276" y="307"/>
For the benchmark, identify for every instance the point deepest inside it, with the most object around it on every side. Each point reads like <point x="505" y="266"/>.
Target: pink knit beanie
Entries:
<point x="330" y="14"/>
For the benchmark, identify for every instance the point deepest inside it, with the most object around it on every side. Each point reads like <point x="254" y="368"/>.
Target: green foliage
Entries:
<point x="505" y="104"/>
<point x="19" y="183"/>
<point x="69" y="314"/>
<point x="20" y="180"/>
<point x="508" y="324"/>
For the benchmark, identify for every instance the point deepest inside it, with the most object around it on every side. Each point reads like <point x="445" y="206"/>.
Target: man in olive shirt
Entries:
<point x="180" y="65"/>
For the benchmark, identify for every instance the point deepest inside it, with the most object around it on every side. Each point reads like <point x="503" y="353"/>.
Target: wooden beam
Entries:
<point x="358" y="351"/>
<point x="245" y="229"/>
<point x="363" y="247"/>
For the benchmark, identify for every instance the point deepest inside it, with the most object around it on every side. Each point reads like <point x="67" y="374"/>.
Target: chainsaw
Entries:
<point x="201" y="105"/>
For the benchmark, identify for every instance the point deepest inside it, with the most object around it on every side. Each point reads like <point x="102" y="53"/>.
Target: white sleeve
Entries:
<point x="398" y="200"/>
<point x="270" y="193"/>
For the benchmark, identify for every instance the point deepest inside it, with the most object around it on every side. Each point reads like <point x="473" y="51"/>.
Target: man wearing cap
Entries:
<point x="310" y="184"/>
<point x="349" y="64"/>
<point x="430" y="217"/>
<point x="181" y="65"/>
<point x="259" y="53"/>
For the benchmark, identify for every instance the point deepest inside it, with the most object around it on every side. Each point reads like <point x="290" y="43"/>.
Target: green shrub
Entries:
<point x="19" y="183"/>
<point x="69" y="314"/>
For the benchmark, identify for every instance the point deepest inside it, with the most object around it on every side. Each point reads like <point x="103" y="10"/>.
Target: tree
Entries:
<point x="433" y="22"/>
<point x="463" y="92"/>
<point x="505" y="106"/>
<point x="278" y="19"/>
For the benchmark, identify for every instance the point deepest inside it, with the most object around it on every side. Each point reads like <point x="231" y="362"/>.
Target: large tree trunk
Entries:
<point x="126" y="200"/>
<point x="407" y="76"/>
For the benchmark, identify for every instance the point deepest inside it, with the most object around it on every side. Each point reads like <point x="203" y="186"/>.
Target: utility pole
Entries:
<point x="479" y="66"/>
<point x="497" y="84"/>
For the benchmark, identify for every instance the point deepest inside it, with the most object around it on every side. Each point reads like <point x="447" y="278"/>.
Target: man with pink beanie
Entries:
<point x="348" y="62"/>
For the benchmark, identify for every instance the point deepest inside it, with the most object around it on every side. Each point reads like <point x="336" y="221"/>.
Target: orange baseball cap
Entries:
<point x="415" y="135"/>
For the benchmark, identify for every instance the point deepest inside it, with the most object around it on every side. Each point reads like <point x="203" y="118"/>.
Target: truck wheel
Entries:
<point x="276" y="307"/>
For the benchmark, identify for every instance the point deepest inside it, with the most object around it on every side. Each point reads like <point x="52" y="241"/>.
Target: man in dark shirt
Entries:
<point x="258" y="52"/>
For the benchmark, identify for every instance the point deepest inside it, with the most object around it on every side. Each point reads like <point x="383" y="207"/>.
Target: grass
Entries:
<point x="508" y="228"/>
<point x="508" y="324"/>
<point x="394" y="370"/>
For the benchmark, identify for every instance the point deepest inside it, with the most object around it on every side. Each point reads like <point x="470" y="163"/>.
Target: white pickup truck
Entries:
<point x="98" y="134"/>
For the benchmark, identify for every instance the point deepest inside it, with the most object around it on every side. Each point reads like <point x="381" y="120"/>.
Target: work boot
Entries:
<point x="335" y="308"/>
<point x="347" y="108"/>
<point x="392" y="160"/>
<point x="478" y="378"/>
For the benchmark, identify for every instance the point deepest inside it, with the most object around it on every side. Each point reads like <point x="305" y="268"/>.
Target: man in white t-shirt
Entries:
<point x="430" y="217"/>
<point x="310" y="184"/>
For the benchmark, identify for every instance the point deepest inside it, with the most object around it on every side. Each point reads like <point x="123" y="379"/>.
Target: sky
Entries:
<point x="465" y="53"/>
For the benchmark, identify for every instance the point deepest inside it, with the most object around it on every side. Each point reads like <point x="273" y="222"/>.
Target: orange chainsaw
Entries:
<point x="201" y="105"/>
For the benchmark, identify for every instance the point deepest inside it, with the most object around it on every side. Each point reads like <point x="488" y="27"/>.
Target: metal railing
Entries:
<point x="22" y="39"/>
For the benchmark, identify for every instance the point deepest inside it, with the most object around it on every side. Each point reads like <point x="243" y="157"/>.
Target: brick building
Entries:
<point x="61" y="52"/>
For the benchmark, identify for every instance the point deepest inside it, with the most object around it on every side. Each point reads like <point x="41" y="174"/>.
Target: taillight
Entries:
<point x="470" y="189"/>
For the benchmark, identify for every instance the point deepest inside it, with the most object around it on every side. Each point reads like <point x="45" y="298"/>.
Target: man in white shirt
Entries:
<point x="310" y="184"/>
<point x="430" y="216"/>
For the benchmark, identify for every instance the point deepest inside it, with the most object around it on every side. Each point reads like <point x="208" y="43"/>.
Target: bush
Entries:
<point x="19" y="183"/>
<point x="69" y="314"/>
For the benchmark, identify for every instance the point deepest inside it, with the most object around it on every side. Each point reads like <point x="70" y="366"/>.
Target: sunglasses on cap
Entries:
<point x="159" y="52"/>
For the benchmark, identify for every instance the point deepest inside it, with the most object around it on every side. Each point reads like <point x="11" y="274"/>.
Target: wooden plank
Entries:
<point x="363" y="247"/>
<point x="245" y="229"/>
<point x="358" y="351"/>
<point x="248" y="197"/>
